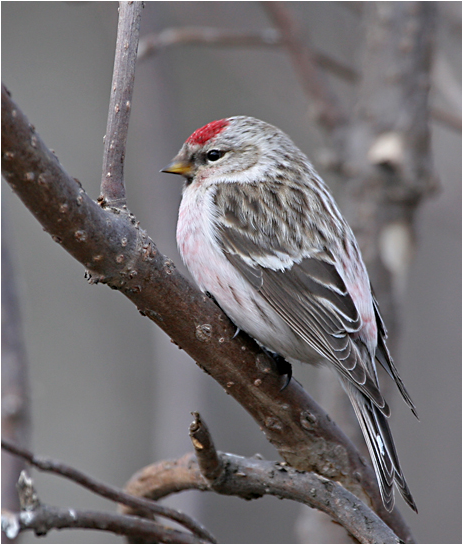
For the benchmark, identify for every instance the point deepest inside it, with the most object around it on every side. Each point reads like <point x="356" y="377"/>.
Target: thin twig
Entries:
<point x="112" y="178"/>
<point x="153" y="43"/>
<point x="44" y="518"/>
<point x="107" y="491"/>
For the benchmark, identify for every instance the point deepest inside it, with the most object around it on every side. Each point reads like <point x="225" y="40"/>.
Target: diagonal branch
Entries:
<point x="119" y="253"/>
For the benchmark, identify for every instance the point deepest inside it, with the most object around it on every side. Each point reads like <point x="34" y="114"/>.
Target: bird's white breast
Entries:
<point x="196" y="239"/>
<point x="201" y="253"/>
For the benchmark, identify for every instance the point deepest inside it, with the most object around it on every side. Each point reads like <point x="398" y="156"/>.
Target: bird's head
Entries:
<point x="236" y="149"/>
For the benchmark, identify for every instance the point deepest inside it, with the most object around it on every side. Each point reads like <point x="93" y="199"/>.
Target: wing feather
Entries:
<point x="312" y="299"/>
<point x="295" y="273"/>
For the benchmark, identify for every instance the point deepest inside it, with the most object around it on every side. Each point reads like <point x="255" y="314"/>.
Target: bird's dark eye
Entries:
<point x="214" y="155"/>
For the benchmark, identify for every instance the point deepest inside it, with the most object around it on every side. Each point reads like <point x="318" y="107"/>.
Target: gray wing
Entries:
<point x="312" y="299"/>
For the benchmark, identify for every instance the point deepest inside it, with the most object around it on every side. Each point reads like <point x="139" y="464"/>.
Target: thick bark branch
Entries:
<point x="119" y="253"/>
<point x="252" y="478"/>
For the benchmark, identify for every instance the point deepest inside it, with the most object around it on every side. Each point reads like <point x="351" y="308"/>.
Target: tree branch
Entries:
<point x="15" y="378"/>
<point x="46" y="518"/>
<point x="154" y="43"/>
<point x="42" y="518"/>
<point x="119" y="253"/>
<point x="145" y="507"/>
<point x="251" y="478"/>
<point x="112" y="178"/>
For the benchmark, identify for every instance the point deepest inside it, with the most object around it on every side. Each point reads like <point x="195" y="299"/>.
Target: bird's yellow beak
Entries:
<point x="177" y="166"/>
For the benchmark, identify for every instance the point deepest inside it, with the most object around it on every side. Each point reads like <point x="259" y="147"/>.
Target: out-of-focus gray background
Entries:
<point x="109" y="392"/>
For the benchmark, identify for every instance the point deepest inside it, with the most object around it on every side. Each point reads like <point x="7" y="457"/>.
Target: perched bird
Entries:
<point x="260" y="231"/>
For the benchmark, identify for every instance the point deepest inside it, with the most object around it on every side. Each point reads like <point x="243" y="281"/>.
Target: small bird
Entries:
<point x="259" y="230"/>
